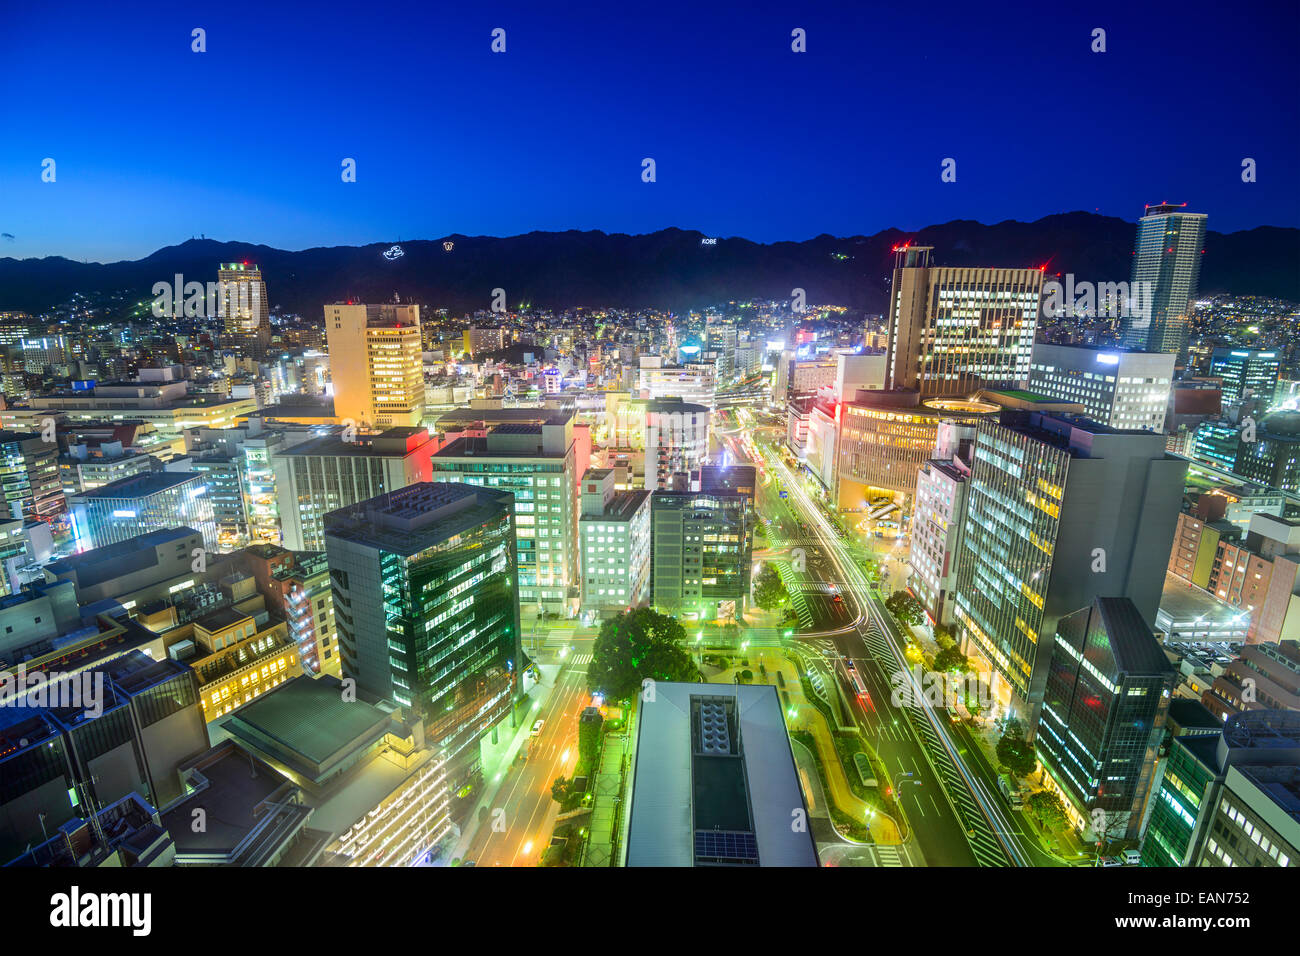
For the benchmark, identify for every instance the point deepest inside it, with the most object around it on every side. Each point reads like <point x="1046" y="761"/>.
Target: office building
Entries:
<point x="886" y="436"/>
<point x="315" y="477"/>
<point x="702" y="545"/>
<point x="714" y="782"/>
<point x="1198" y="819"/>
<point x="1059" y="510"/>
<point x="694" y="382"/>
<point x="540" y="465"/>
<point x="242" y="307"/>
<point x="1246" y="373"/>
<point x="1166" y="272"/>
<point x="1116" y="388"/>
<point x="614" y="532"/>
<point x="375" y="364"/>
<point x="957" y="329"/>
<point x="1273" y="458"/>
<point x="937" y="521"/>
<point x="147" y="567"/>
<point x="29" y="477"/>
<point x="168" y="406"/>
<point x="156" y="501"/>
<point x="1107" y="694"/>
<point x="427" y="606"/>
<point x="677" y="440"/>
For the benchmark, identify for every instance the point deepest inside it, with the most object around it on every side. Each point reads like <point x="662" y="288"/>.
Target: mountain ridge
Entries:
<point x="668" y="269"/>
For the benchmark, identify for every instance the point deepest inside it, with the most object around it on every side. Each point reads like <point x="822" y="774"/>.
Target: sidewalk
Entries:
<point x="497" y="758"/>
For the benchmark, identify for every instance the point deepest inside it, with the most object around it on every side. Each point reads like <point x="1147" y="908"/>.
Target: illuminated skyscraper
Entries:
<point x="426" y="606"/>
<point x="1059" y="511"/>
<point x="375" y="364"/>
<point x="242" y="305"/>
<point x="955" y="329"/>
<point x="1167" y="261"/>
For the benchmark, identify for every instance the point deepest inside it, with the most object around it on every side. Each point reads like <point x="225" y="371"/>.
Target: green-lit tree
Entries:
<point x="635" y="645"/>
<point x="1046" y="806"/>
<point x="769" y="593"/>
<point x="905" y="608"/>
<point x="1014" y="752"/>
<point x="950" y="659"/>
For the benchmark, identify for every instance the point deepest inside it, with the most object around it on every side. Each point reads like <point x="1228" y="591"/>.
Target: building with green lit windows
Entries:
<point x="426" y="606"/>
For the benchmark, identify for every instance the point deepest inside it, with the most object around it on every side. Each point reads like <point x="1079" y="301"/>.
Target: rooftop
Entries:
<point x="418" y="516"/>
<point x="114" y="560"/>
<point x="141" y="485"/>
<point x="307" y="724"/>
<point x="677" y="818"/>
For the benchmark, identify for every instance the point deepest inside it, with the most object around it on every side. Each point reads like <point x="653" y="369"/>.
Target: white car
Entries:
<point x="537" y="727"/>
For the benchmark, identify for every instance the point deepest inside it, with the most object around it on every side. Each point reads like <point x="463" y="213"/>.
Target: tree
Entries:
<point x="769" y="592"/>
<point x="1014" y="752"/>
<point x="950" y="659"/>
<point x="905" y="608"/>
<point x="1046" y="806"/>
<point x="560" y="789"/>
<point x="635" y="645"/>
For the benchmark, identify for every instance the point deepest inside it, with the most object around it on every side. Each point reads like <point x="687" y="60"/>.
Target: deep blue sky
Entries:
<point x="155" y="143"/>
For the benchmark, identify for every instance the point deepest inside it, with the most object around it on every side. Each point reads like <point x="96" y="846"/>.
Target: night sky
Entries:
<point x="155" y="144"/>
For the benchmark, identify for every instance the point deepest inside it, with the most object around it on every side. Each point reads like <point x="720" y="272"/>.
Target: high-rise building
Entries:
<point x="156" y="501"/>
<point x="956" y="329"/>
<point x="1059" y="510"/>
<point x="614" y="531"/>
<point x="1246" y="373"/>
<point x="677" y="440"/>
<point x="540" y="464"/>
<point x="375" y="364"/>
<point x="936" y="522"/>
<point x="1273" y="457"/>
<point x="427" y="606"/>
<point x="702" y="545"/>
<point x="1107" y="694"/>
<point x="1117" y="388"/>
<point x="242" y="306"/>
<point x="322" y="475"/>
<point x="1166" y="271"/>
<point x="29" y="477"/>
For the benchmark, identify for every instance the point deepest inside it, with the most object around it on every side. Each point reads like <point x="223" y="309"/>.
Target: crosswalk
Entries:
<point x="983" y="842"/>
<point x="888" y="856"/>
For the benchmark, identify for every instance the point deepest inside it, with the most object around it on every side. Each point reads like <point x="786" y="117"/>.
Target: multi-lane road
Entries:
<point x="520" y="832"/>
<point x="945" y="786"/>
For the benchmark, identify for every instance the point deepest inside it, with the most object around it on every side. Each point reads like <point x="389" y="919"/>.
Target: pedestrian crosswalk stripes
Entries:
<point x="983" y="842"/>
